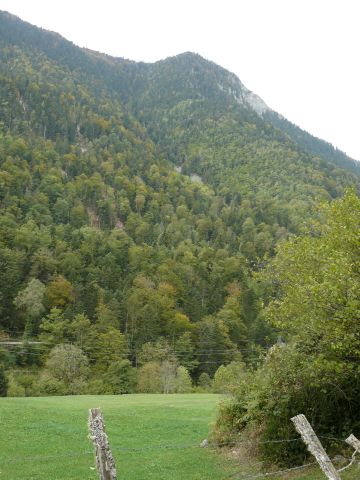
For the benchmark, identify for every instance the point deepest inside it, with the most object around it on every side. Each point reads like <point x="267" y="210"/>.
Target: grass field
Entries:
<point x="152" y="437"/>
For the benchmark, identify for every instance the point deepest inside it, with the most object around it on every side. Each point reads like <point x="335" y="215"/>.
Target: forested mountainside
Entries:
<point x="311" y="144"/>
<point x="136" y="200"/>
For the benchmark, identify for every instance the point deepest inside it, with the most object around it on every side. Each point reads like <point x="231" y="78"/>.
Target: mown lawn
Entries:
<point x="152" y="437"/>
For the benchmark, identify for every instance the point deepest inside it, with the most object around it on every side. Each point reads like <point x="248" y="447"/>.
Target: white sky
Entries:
<point x="300" y="56"/>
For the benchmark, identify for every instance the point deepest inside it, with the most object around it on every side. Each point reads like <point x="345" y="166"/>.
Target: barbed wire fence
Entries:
<point x="238" y="474"/>
<point x="301" y="424"/>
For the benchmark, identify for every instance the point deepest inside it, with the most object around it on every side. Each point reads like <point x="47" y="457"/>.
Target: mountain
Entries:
<point x="209" y="124"/>
<point x="137" y="199"/>
<point x="311" y="144"/>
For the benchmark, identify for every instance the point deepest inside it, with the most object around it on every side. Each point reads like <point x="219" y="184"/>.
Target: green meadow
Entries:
<point x="152" y="437"/>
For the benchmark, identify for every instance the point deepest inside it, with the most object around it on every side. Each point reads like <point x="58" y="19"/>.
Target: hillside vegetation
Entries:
<point x="312" y="297"/>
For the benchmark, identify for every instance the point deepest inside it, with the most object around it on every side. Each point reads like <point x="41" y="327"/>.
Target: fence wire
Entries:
<point x="237" y="475"/>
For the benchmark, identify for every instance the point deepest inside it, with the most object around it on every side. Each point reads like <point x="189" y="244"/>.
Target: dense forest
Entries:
<point x="141" y="209"/>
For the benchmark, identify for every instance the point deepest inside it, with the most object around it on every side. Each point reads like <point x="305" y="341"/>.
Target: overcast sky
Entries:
<point x="300" y="56"/>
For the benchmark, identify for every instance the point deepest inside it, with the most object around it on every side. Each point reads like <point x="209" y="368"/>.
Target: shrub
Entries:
<point x="149" y="378"/>
<point x="156" y="377"/>
<point x="21" y="384"/>
<point x="67" y="363"/>
<point x="120" y="377"/>
<point x="183" y="383"/>
<point x="49" y="385"/>
<point x="287" y="384"/>
<point x="204" y="382"/>
<point x="227" y="378"/>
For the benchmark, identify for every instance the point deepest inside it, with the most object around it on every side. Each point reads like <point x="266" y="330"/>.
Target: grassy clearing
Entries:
<point x="46" y="438"/>
<point x="152" y="437"/>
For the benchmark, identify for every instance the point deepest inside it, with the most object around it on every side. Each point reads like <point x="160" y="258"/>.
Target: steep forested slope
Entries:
<point x="203" y="117"/>
<point x="311" y="144"/>
<point x="108" y="239"/>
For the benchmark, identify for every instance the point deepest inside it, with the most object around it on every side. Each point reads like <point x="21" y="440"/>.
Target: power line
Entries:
<point x="45" y="345"/>
<point x="37" y="347"/>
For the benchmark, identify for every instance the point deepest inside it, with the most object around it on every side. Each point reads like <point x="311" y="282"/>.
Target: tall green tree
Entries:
<point x="31" y="301"/>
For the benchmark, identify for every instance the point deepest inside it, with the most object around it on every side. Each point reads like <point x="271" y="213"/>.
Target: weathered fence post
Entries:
<point x="104" y="459"/>
<point x="314" y="446"/>
<point x="353" y="442"/>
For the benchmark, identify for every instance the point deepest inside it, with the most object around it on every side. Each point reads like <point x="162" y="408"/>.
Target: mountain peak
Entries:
<point x="226" y="81"/>
<point x="9" y="15"/>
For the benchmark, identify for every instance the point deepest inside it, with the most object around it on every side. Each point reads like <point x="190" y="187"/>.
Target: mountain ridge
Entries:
<point x="241" y="94"/>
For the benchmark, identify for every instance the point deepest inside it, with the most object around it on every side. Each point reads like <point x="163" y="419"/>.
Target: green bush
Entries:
<point x="120" y="377"/>
<point x="183" y="383"/>
<point x="49" y="385"/>
<point x="149" y="378"/>
<point x="227" y="377"/>
<point x="14" y="388"/>
<point x="21" y="384"/>
<point x="287" y="384"/>
<point x="204" y="383"/>
<point x="98" y="386"/>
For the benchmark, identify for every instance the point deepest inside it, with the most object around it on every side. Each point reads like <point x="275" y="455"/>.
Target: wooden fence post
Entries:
<point x="104" y="459"/>
<point x="353" y="442"/>
<point x="314" y="446"/>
